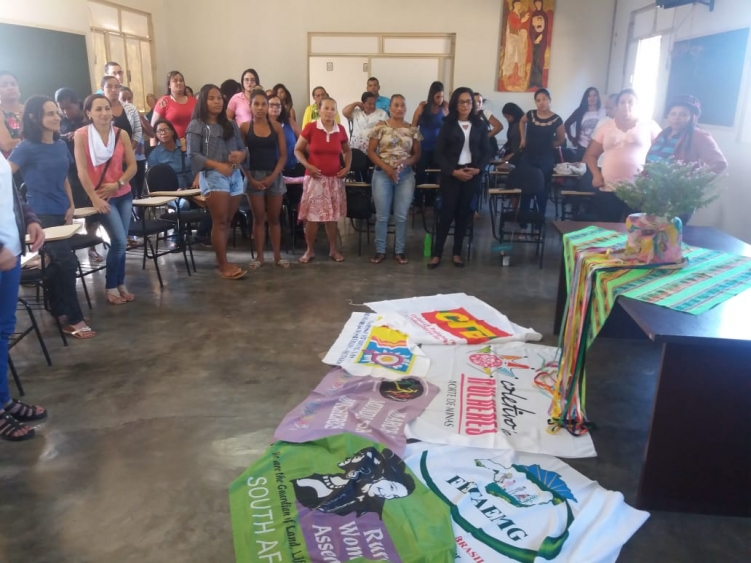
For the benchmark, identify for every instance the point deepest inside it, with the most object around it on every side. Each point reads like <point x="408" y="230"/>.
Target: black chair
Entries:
<point x="360" y="167"/>
<point x="291" y="207"/>
<point x="162" y="178"/>
<point x="360" y="208"/>
<point x="16" y="337"/>
<point x="81" y="242"/>
<point x="530" y="214"/>
<point x="158" y="229"/>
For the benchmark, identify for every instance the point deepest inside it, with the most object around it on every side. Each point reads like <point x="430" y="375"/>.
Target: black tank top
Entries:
<point x="264" y="151"/>
<point x="122" y="122"/>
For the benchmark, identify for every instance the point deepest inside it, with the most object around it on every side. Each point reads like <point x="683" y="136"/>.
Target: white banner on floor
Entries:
<point x="509" y="506"/>
<point x="456" y="318"/>
<point x="366" y="347"/>
<point x="493" y="396"/>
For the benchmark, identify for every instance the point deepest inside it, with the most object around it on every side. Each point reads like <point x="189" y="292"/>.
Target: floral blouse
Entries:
<point x="395" y="143"/>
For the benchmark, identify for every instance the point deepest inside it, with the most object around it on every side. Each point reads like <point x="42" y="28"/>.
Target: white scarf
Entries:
<point x="98" y="151"/>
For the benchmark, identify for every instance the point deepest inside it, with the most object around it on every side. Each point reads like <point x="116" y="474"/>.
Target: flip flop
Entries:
<point x="283" y="263"/>
<point x="236" y="275"/>
<point x="254" y="265"/>
<point x="304" y="260"/>
<point x="83" y="333"/>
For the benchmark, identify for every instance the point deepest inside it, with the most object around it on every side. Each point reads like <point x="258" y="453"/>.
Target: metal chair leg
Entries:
<point x="14" y="373"/>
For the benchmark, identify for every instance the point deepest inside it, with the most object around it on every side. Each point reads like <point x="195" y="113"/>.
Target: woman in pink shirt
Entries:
<point x="623" y="143"/>
<point x="176" y="106"/>
<point x="238" y="108"/>
<point x="106" y="163"/>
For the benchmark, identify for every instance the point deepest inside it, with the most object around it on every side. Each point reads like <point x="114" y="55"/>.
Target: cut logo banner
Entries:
<point x="456" y="318"/>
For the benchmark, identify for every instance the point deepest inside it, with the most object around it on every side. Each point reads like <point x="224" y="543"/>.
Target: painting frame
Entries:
<point x="525" y="45"/>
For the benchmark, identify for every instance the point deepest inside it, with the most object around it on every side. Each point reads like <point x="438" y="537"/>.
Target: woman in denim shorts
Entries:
<point x="267" y="151"/>
<point x="217" y="153"/>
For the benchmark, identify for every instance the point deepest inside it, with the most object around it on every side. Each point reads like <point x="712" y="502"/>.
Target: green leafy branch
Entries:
<point x="669" y="188"/>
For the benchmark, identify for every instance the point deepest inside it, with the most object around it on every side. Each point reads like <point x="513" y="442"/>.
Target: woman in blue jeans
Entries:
<point x="16" y="220"/>
<point x="44" y="160"/>
<point x="394" y="148"/>
<point x="106" y="163"/>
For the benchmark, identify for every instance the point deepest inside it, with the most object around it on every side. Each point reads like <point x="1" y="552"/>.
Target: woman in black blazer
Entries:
<point x="462" y="152"/>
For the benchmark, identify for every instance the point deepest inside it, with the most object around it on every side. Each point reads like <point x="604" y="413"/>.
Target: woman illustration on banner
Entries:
<point x="370" y="478"/>
<point x="514" y="67"/>
<point x="539" y="33"/>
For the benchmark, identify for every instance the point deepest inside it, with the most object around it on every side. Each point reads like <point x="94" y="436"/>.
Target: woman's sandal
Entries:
<point x="235" y="275"/>
<point x="113" y="299"/>
<point x="10" y="428"/>
<point x="23" y="412"/>
<point x="94" y="256"/>
<point x="125" y="294"/>
<point x="304" y="259"/>
<point x="401" y="258"/>
<point x="254" y="265"/>
<point x="83" y="333"/>
<point x="433" y="265"/>
<point x="282" y="263"/>
<point x="378" y="258"/>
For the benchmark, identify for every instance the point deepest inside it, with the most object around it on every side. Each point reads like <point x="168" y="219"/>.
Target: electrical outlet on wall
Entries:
<point x="330" y="67"/>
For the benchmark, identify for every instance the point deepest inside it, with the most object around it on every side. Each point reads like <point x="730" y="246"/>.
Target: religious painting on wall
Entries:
<point x="526" y="33"/>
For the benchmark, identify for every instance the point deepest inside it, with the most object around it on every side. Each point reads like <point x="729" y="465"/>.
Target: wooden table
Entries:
<point x="191" y="192"/>
<point x="81" y="212"/>
<point x="698" y="453"/>
<point x="157" y="201"/>
<point x="62" y="232"/>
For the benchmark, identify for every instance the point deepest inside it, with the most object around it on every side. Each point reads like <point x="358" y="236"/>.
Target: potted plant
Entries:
<point x="664" y="192"/>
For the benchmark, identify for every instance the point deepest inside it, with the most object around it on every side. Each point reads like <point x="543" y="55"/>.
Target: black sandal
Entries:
<point x="9" y="428"/>
<point x="378" y="258"/>
<point x="23" y="412"/>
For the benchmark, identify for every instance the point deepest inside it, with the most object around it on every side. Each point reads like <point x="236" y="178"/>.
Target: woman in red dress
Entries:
<point x="176" y="107"/>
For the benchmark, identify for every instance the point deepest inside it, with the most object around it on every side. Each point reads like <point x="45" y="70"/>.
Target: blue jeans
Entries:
<point x="116" y="223"/>
<point x="9" y="282"/>
<point x="385" y="190"/>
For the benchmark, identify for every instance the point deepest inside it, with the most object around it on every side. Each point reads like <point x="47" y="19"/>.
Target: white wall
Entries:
<point x="73" y="16"/>
<point x="272" y="38"/>
<point x="731" y="212"/>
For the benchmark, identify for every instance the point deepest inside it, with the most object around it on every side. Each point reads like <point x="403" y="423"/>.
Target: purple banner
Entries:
<point x="330" y="537"/>
<point x="373" y="408"/>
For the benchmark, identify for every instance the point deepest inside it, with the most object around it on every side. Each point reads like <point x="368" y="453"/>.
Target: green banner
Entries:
<point x="337" y="499"/>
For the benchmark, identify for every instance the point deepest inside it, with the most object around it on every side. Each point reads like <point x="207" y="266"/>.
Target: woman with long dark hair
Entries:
<point x="512" y="152"/>
<point x="106" y="163"/>
<point x="281" y="91"/>
<point x="125" y="116"/>
<point x="176" y="106"/>
<point x="267" y="151"/>
<point x="491" y="122"/>
<point x="462" y="151"/>
<point x="429" y="117"/>
<point x="541" y="132"/>
<point x="44" y="160"/>
<point x="582" y="122"/>
<point x="238" y="109"/>
<point x="216" y="153"/>
<point x="278" y="113"/>
<point x="683" y="140"/>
